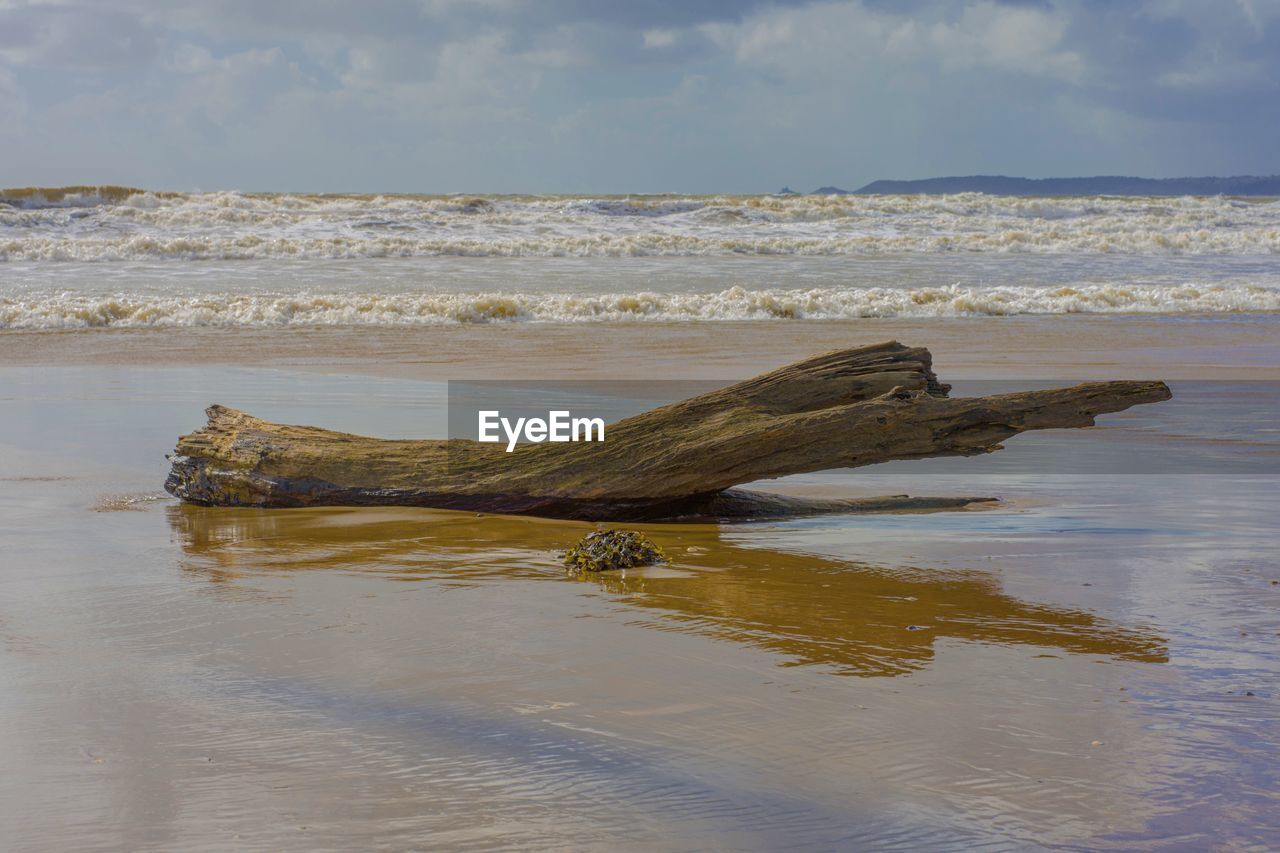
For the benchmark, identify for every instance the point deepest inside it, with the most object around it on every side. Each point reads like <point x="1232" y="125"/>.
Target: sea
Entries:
<point x="115" y="257"/>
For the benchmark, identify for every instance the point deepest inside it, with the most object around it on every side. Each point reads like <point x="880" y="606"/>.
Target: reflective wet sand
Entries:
<point x="1092" y="663"/>
<point x="855" y="619"/>
<point x="1063" y="347"/>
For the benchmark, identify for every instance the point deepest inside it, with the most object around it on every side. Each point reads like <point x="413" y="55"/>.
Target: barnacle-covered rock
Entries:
<point x="612" y="549"/>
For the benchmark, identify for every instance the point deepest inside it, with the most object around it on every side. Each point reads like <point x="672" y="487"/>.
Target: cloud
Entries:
<point x="74" y="36"/>
<point x="673" y="94"/>
<point x="656" y="38"/>
<point x="830" y="38"/>
<point x="1012" y="39"/>
<point x="225" y="88"/>
<point x="12" y="106"/>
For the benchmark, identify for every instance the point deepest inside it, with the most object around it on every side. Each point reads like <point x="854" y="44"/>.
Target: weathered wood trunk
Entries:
<point x="843" y="409"/>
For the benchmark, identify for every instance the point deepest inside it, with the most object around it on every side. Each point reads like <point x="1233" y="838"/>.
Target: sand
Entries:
<point x="1089" y="663"/>
<point x="1071" y="346"/>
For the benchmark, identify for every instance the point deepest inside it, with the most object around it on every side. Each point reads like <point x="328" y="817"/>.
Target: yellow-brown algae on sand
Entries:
<point x="613" y="549"/>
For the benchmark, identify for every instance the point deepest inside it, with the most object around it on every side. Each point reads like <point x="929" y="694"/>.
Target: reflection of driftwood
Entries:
<point x="857" y="619"/>
<point x="840" y="410"/>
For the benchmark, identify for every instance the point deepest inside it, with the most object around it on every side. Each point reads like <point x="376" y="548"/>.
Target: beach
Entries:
<point x="1088" y="663"/>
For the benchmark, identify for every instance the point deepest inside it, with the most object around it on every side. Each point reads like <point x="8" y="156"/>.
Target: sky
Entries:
<point x="590" y="96"/>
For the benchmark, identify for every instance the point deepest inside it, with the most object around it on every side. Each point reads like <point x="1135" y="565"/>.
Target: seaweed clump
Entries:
<point x="612" y="549"/>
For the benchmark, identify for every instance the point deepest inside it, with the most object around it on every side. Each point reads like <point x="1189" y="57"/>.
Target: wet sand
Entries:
<point x="1090" y="663"/>
<point x="1072" y="346"/>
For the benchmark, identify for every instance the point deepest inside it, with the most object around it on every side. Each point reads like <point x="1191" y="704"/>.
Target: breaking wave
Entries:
<point x="39" y="198"/>
<point x="67" y="310"/>
<point x="121" y="223"/>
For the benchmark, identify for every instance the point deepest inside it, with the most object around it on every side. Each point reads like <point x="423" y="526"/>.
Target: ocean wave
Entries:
<point x="121" y="223"/>
<point x="66" y="310"/>
<point x="42" y="198"/>
<point x="397" y="244"/>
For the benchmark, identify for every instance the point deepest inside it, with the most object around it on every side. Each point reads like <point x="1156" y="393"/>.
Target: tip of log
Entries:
<point x="222" y="419"/>
<point x="1079" y="405"/>
<point x="218" y="412"/>
<point x="214" y="437"/>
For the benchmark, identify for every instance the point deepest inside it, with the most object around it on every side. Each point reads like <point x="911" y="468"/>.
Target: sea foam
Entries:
<point x="68" y="310"/>
<point x="114" y="224"/>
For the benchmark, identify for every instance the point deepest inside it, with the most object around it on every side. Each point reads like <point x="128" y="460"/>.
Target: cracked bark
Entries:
<point x="843" y="409"/>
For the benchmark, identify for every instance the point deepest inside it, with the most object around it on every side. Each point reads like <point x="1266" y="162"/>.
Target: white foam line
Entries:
<point x="66" y="310"/>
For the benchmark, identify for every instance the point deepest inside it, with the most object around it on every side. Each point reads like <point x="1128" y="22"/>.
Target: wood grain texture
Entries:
<point x="843" y="409"/>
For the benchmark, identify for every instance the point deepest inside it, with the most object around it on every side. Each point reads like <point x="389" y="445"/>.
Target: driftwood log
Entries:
<point x="844" y="409"/>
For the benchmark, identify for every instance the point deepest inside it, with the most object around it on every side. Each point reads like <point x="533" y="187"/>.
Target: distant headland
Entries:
<point x="1250" y="185"/>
